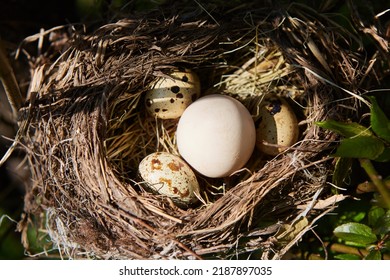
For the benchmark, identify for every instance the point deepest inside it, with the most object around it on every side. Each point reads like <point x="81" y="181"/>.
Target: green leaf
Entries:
<point x="375" y="214"/>
<point x="10" y="246"/>
<point x="356" y="233"/>
<point x="360" y="142"/>
<point x="373" y="255"/>
<point x="342" y="171"/>
<point x="379" y="122"/>
<point x="345" y="129"/>
<point x="369" y="147"/>
<point x="359" y="216"/>
<point x="384" y="156"/>
<point x="382" y="225"/>
<point x="346" y="257"/>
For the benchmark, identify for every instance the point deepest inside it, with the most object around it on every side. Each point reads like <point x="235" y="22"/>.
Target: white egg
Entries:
<point x="170" y="96"/>
<point x="216" y="135"/>
<point x="169" y="175"/>
<point x="277" y="127"/>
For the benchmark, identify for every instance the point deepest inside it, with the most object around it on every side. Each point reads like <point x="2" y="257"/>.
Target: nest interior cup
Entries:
<point x="86" y="131"/>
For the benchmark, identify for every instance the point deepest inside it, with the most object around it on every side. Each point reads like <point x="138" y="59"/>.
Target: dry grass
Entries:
<point x="85" y="131"/>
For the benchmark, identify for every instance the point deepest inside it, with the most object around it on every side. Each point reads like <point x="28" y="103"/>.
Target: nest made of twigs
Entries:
<point x="85" y="130"/>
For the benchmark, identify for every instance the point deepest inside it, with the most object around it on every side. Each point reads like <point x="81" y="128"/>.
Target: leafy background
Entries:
<point x="358" y="229"/>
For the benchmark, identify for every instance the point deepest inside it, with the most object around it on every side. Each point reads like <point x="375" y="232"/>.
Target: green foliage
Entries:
<point x="356" y="233"/>
<point x="89" y="8"/>
<point x="346" y="129"/>
<point x="38" y="241"/>
<point x="380" y="124"/>
<point x="360" y="141"/>
<point x="374" y="215"/>
<point x="373" y="255"/>
<point x="353" y="147"/>
<point x="385" y="156"/>
<point x="10" y="246"/>
<point x="347" y="257"/>
<point x="382" y="225"/>
<point x="365" y="144"/>
<point x="368" y="229"/>
<point x="373" y="234"/>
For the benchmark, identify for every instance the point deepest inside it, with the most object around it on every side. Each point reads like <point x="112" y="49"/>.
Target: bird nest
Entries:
<point x="85" y="130"/>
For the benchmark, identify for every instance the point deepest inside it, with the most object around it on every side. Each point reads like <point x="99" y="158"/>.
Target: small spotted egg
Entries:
<point x="170" y="96"/>
<point x="276" y="127"/>
<point x="169" y="175"/>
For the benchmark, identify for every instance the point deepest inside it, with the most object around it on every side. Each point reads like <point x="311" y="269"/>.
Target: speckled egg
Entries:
<point x="170" y="96"/>
<point x="276" y="127"/>
<point x="169" y="175"/>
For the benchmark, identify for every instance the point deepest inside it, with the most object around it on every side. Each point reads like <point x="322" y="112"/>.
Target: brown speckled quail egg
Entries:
<point x="169" y="175"/>
<point x="276" y="127"/>
<point x="170" y="96"/>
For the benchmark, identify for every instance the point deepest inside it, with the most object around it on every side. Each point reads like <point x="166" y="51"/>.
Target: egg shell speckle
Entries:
<point x="169" y="175"/>
<point x="170" y="96"/>
<point x="216" y="135"/>
<point x="277" y="126"/>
